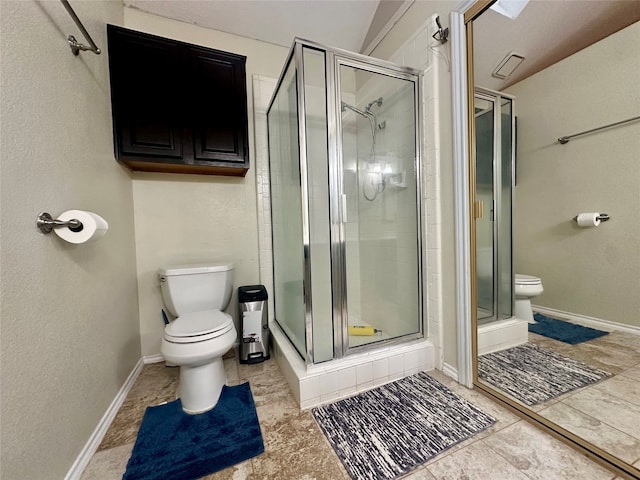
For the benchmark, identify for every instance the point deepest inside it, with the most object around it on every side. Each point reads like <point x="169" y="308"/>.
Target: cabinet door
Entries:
<point x="218" y="107"/>
<point x="146" y="73"/>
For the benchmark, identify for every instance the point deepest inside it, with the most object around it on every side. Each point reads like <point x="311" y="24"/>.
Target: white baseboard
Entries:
<point x="98" y="434"/>
<point x="450" y="371"/>
<point x="586" y="321"/>
<point x="157" y="358"/>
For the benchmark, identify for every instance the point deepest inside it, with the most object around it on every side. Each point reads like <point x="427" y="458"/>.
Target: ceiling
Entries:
<point x="338" y="23"/>
<point x="545" y="32"/>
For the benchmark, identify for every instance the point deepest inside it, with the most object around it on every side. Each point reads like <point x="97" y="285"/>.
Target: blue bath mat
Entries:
<point x="174" y="445"/>
<point x="564" y="331"/>
<point x="384" y="433"/>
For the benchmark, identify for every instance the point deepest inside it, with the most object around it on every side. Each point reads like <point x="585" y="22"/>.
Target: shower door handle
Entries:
<point x="478" y="207"/>
<point x="343" y="200"/>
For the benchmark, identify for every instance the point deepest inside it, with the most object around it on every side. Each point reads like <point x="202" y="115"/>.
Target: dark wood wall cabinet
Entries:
<point x="177" y="107"/>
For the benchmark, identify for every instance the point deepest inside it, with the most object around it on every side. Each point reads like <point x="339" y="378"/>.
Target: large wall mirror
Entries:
<point x="557" y="282"/>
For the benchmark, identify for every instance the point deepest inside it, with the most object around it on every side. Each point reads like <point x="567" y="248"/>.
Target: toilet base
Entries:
<point x="522" y="309"/>
<point x="200" y="387"/>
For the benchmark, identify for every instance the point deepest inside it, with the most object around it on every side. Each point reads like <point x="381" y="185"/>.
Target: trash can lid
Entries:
<point x="252" y="293"/>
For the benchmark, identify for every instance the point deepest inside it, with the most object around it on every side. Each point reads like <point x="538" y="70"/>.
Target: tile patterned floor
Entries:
<point x="295" y="448"/>
<point x="606" y="414"/>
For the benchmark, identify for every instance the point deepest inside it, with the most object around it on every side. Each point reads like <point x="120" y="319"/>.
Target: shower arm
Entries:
<point x="367" y="114"/>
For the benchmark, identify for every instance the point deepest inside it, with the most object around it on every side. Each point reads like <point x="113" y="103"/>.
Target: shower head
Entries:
<point x="377" y="101"/>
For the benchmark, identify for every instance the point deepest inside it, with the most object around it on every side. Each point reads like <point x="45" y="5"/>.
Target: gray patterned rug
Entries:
<point x="388" y="431"/>
<point x="533" y="374"/>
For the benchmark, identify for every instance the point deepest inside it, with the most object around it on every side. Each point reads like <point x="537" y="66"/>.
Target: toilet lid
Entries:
<point x="527" y="280"/>
<point x="194" y="326"/>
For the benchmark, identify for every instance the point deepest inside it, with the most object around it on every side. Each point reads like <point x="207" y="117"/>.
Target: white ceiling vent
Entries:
<point x="508" y="65"/>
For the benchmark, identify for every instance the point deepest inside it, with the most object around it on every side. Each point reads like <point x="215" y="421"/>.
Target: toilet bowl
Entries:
<point x="201" y="334"/>
<point x="526" y="287"/>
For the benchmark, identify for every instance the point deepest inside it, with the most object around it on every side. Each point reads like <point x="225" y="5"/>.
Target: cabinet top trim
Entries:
<point x="138" y="33"/>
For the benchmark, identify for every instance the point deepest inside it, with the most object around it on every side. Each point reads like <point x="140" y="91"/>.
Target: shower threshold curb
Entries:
<point x="318" y="384"/>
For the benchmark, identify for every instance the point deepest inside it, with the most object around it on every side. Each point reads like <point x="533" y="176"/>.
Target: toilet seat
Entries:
<point x="527" y="280"/>
<point x="198" y="326"/>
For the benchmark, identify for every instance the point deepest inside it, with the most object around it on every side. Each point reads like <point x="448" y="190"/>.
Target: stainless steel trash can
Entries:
<point x="254" y="323"/>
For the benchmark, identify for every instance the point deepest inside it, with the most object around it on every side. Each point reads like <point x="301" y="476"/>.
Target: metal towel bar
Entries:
<point x="566" y="139"/>
<point x="73" y="43"/>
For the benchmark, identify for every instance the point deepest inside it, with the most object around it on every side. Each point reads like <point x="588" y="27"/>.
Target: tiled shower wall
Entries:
<point x="420" y="51"/>
<point x="415" y="53"/>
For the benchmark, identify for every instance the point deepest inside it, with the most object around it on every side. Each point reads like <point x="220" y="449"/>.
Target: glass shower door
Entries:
<point x="494" y="190"/>
<point x="484" y="119"/>
<point x="286" y="208"/>
<point x="504" y="209"/>
<point x="379" y="205"/>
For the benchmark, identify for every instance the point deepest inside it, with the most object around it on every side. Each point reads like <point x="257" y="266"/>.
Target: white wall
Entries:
<point x="187" y="218"/>
<point x="593" y="272"/>
<point x="70" y="333"/>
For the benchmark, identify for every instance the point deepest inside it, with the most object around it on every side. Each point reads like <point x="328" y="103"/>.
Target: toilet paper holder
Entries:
<point x="603" y="217"/>
<point x="46" y="223"/>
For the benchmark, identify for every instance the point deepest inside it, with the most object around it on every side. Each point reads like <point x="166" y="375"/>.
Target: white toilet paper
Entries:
<point x="93" y="226"/>
<point x="589" y="219"/>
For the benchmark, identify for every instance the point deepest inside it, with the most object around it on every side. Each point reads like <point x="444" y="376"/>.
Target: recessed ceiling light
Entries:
<point x="508" y="65"/>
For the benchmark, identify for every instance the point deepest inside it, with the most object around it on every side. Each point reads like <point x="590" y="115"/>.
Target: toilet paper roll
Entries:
<point x="93" y="226"/>
<point x="589" y="219"/>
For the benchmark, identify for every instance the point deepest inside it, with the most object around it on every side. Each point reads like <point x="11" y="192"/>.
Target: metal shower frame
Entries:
<point x="334" y="58"/>
<point x="496" y="99"/>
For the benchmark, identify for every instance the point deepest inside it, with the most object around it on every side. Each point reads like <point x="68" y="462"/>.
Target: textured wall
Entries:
<point x="592" y="272"/>
<point x="188" y="218"/>
<point x="69" y="312"/>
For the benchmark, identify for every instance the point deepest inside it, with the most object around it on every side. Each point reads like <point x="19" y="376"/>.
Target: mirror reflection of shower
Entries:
<point x="495" y="158"/>
<point x="376" y="176"/>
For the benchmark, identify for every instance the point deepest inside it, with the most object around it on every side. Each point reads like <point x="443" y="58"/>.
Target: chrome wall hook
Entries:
<point x="442" y="34"/>
<point x="46" y="223"/>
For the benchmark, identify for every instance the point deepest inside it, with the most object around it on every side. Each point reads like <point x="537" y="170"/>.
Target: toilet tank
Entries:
<point x="192" y="288"/>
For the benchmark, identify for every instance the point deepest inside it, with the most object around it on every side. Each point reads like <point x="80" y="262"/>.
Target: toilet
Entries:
<point x="202" y="332"/>
<point x="526" y="287"/>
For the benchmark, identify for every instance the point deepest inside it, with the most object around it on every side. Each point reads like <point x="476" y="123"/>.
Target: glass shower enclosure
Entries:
<point x="344" y="171"/>
<point x="495" y="179"/>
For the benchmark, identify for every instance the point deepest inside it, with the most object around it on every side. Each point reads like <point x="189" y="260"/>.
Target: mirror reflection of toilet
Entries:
<point x="526" y="287"/>
<point x="202" y="332"/>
